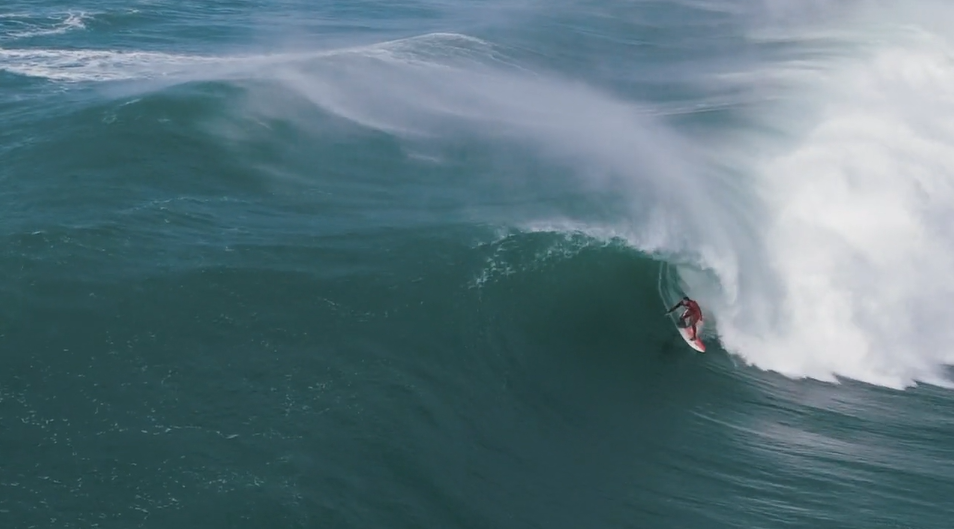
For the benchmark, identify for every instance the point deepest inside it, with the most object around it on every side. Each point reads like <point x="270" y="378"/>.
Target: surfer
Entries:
<point x="692" y="314"/>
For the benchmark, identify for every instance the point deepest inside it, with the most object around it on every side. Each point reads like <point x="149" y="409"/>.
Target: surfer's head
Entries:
<point x="685" y="298"/>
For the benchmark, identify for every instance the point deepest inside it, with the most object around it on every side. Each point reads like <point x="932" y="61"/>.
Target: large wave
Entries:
<point x="816" y="228"/>
<point x="832" y="250"/>
<point x="822" y="246"/>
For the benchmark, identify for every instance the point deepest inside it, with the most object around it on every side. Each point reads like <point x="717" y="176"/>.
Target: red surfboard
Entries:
<point x="696" y="344"/>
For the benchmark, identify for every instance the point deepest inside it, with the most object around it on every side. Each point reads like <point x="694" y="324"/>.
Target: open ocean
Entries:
<point x="404" y="264"/>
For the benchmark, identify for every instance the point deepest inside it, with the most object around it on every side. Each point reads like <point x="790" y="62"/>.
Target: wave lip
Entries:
<point x="435" y="51"/>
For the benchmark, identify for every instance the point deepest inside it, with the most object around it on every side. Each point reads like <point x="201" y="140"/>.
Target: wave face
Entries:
<point x="406" y="264"/>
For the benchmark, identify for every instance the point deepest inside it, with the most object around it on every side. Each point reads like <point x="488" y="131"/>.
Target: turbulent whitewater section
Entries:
<point x="857" y="180"/>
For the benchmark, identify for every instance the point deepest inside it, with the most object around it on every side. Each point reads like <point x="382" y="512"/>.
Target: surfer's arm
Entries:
<point x="676" y="306"/>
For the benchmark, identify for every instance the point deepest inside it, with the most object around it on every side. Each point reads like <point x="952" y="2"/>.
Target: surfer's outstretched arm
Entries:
<point x="676" y="306"/>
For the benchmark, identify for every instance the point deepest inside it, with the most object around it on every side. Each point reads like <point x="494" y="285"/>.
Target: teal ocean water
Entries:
<point x="404" y="264"/>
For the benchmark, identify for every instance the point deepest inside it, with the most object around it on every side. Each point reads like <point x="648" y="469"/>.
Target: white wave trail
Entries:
<point x="100" y="65"/>
<point x="28" y="27"/>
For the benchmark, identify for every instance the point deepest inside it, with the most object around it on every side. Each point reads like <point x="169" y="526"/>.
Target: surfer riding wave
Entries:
<point x="691" y="316"/>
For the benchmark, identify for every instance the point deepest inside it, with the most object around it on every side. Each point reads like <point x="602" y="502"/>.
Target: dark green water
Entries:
<point x="405" y="265"/>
